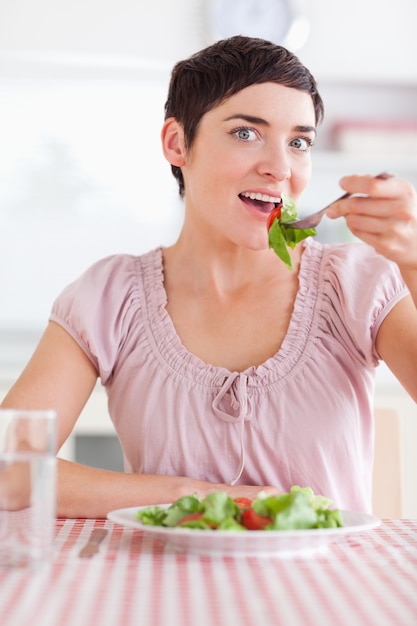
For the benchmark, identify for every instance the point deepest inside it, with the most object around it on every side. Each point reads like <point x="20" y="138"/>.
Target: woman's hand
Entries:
<point x="15" y="480"/>
<point x="384" y="216"/>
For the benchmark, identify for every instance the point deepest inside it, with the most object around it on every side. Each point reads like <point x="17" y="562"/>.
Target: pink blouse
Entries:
<point x="304" y="417"/>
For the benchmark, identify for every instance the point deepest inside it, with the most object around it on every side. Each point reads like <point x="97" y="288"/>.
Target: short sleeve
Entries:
<point x="98" y="309"/>
<point x="360" y="288"/>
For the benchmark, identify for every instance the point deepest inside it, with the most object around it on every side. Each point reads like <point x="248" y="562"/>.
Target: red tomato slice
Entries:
<point x="242" y="502"/>
<point x="275" y="213"/>
<point x="253" y="521"/>
<point x="190" y="518"/>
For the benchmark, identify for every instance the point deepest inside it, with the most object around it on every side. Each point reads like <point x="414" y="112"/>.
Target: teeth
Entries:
<point x="260" y="196"/>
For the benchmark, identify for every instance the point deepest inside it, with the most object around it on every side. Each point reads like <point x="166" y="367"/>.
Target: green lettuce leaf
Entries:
<point x="282" y="237"/>
<point x="219" y="506"/>
<point x="316" y="501"/>
<point x="181" y="508"/>
<point x="151" y="516"/>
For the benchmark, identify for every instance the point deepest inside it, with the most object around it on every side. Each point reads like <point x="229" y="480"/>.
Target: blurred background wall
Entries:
<point x="82" y="89"/>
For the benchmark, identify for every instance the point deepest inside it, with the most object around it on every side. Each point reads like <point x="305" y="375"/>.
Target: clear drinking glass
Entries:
<point x="27" y="486"/>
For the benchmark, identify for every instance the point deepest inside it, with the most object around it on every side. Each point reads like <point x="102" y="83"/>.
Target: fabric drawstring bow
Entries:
<point x="232" y="405"/>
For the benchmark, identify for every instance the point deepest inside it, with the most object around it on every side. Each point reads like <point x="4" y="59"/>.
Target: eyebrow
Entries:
<point x="251" y="119"/>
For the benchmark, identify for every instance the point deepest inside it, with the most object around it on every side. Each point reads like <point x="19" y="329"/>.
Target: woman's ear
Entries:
<point x="172" y="137"/>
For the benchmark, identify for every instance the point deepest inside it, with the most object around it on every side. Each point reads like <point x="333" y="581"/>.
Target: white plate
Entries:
<point x="281" y="543"/>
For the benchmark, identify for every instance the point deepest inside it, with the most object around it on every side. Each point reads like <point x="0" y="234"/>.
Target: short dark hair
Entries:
<point x="207" y="78"/>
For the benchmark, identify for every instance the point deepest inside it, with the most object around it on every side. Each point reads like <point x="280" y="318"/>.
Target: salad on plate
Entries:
<point x="299" y="509"/>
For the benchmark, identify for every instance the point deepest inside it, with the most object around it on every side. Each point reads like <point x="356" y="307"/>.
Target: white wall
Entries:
<point x="82" y="90"/>
<point x="362" y="40"/>
<point x="156" y="30"/>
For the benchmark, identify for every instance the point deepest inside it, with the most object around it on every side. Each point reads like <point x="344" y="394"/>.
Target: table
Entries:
<point x="367" y="579"/>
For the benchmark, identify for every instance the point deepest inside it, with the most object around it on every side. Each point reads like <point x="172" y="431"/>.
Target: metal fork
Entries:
<point x="315" y="218"/>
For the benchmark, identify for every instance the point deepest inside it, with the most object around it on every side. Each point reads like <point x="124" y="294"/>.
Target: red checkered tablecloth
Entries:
<point x="367" y="579"/>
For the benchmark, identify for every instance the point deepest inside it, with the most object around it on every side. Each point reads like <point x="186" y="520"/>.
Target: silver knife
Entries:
<point x="92" y="545"/>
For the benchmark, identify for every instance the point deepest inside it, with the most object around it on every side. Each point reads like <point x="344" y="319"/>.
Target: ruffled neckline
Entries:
<point x="294" y="351"/>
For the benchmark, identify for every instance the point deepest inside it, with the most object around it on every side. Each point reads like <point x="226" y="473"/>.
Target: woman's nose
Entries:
<point x="275" y="163"/>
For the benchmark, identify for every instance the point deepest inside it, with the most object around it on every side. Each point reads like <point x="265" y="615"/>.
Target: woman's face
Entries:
<point x="247" y="152"/>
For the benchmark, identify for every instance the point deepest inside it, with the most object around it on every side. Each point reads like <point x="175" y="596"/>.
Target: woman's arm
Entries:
<point x="58" y="376"/>
<point x="396" y="344"/>
<point x="91" y="492"/>
<point x="386" y="218"/>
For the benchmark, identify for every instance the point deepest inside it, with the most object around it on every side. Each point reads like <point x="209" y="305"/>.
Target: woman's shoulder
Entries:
<point x="353" y="276"/>
<point x="356" y="288"/>
<point x="351" y="259"/>
<point x="114" y="274"/>
<point x="111" y="267"/>
<point x="111" y="284"/>
<point x="100" y="307"/>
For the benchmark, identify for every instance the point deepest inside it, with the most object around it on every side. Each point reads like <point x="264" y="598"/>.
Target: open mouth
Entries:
<point x="260" y="201"/>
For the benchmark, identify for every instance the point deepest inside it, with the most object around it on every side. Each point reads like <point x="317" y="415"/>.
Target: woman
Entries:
<point x="224" y="369"/>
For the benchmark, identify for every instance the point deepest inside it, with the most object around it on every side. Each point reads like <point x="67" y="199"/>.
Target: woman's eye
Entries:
<point x="244" y="134"/>
<point x="302" y="143"/>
